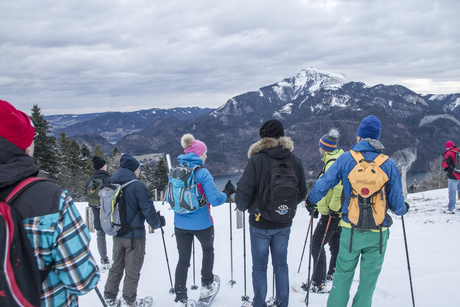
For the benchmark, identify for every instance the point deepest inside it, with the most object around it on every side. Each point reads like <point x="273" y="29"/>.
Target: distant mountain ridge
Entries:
<point x="414" y="127"/>
<point x="114" y="125"/>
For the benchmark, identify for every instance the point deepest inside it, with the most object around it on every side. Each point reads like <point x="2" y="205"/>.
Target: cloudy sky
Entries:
<point x="82" y="56"/>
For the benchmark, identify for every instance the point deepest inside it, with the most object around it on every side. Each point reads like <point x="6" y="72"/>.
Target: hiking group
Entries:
<point x="352" y="195"/>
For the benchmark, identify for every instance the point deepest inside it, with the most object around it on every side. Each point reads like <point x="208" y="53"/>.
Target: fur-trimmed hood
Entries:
<point x="267" y="143"/>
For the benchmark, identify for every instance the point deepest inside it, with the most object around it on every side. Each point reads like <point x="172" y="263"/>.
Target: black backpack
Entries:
<point x="279" y="194"/>
<point x="457" y="162"/>
<point x="20" y="283"/>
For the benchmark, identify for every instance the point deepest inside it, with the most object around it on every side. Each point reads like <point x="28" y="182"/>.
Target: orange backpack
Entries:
<point x="368" y="206"/>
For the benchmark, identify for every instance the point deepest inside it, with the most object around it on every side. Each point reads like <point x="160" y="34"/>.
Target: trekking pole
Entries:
<point x="231" y="282"/>
<point x="305" y="244"/>
<point x="309" y="252"/>
<point x="194" y="286"/>
<point x="245" y="298"/>
<point x="317" y="259"/>
<point x="100" y="296"/>
<point x="408" y="264"/>
<point x="171" y="291"/>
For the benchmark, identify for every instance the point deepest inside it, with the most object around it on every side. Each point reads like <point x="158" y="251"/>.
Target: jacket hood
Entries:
<point x="284" y="144"/>
<point x="452" y="149"/>
<point x="15" y="164"/>
<point x="123" y="175"/>
<point x="368" y="145"/>
<point x="190" y="159"/>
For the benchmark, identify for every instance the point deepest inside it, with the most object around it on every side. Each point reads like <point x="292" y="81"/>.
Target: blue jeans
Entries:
<point x="453" y="186"/>
<point x="275" y="240"/>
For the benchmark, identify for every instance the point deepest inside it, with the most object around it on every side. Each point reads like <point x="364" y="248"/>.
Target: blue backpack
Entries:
<point x="183" y="194"/>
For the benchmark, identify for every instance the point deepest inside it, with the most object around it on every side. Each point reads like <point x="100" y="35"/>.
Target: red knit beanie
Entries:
<point x="449" y="144"/>
<point x="15" y="126"/>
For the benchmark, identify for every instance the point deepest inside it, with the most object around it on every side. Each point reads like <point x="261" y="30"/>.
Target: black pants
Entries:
<point x="184" y="239"/>
<point x="333" y="238"/>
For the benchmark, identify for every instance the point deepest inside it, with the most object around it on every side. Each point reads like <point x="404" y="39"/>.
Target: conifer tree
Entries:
<point x="160" y="175"/>
<point x="46" y="151"/>
<point x="149" y="178"/>
<point x="114" y="163"/>
<point x="87" y="165"/>
<point x="97" y="151"/>
<point x="74" y="157"/>
<point x="116" y="151"/>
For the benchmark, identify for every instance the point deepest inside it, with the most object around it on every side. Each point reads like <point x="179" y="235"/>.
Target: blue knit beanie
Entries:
<point x="129" y="162"/>
<point x="328" y="142"/>
<point x="370" y="127"/>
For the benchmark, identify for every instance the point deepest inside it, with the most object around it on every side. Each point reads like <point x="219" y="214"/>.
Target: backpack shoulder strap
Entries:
<point x="358" y="156"/>
<point x="380" y="159"/>
<point x="324" y="167"/>
<point x="128" y="183"/>
<point x="23" y="185"/>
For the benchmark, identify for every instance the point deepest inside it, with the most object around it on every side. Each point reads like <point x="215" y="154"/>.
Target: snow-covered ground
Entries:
<point x="433" y="243"/>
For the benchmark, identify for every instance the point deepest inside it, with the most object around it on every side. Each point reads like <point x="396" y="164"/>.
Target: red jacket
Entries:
<point x="449" y="163"/>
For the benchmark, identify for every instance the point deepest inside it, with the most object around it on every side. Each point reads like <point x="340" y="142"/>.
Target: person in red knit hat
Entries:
<point x="58" y="236"/>
<point x="454" y="178"/>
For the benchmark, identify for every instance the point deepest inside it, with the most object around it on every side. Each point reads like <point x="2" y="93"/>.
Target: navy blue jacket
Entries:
<point x="138" y="202"/>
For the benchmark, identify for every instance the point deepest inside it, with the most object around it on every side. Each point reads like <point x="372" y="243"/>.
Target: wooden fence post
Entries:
<point x="156" y="195"/>
<point x="89" y="219"/>
<point x="403" y="179"/>
<point x="239" y="219"/>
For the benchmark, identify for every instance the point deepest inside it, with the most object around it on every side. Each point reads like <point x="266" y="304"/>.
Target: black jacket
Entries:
<point x="256" y="172"/>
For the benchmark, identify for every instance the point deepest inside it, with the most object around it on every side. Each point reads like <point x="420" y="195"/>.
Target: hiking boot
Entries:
<point x="185" y="303"/>
<point x="449" y="211"/>
<point x="316" y="288"/>
<point x="208" y="290"/>
<point x="272" y="302"/>
<point x="112" y="302"/>
<point x="105" y="265"/>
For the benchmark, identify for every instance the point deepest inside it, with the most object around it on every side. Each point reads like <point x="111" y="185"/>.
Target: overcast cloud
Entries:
<point x="81" y="56"/>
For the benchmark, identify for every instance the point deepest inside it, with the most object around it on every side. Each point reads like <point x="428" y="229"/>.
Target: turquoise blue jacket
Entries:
<point x="200" y="219"/>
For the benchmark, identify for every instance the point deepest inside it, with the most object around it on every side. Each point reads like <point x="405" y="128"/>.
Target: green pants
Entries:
<point x="366" y="246"/>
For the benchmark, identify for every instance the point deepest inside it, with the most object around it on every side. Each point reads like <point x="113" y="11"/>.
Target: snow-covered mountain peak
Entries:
<point x="309" y="80"/>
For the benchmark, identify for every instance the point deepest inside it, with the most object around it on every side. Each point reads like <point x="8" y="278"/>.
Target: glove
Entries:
<point x="162" y="219"/>
<point x="312" y="208"/>
<point x="407" y="206"/>
<point x="229" y="189"/>
<point x="334" y="214"/>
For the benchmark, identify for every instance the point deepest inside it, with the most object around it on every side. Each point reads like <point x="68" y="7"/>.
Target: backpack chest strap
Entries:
<point x="358" y="156"/>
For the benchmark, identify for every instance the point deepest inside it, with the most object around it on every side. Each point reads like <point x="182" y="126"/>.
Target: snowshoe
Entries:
<point x="449" y="211"/>
<point x="317" y="288"/>
<point x="208" y="293"/>
<point x="140" y="302"/>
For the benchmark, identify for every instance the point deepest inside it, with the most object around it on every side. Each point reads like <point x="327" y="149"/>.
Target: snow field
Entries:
<point x="432" y="237"/>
